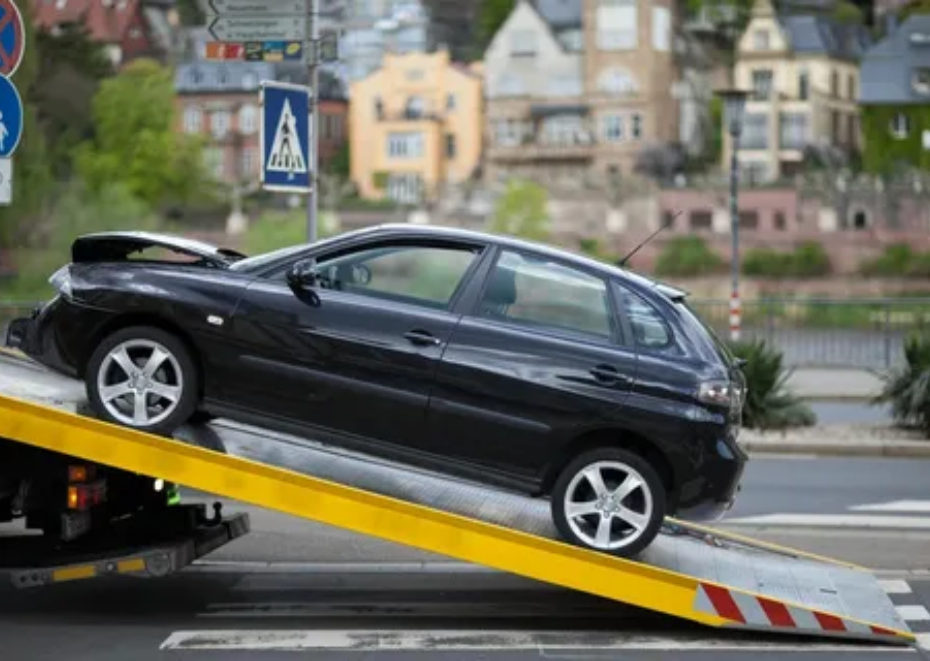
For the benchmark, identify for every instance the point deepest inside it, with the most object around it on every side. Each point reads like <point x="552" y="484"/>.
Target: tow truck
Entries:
<point x="95" y="493"/>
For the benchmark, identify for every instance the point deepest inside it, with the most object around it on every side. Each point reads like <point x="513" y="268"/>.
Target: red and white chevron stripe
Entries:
<point x="761" y="612"/>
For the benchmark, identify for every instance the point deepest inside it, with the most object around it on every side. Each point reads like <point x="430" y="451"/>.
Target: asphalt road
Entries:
<point x="293" y="585"/>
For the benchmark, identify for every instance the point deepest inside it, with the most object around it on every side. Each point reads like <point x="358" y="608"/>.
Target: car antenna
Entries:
<point x="668" y="223"/>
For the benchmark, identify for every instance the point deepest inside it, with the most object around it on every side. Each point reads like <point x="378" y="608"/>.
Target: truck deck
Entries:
<point x="689" y="572"/>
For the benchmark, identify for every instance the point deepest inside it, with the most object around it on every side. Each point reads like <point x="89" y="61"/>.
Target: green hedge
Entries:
<point x="898" y="261"/>
<point x="688" y="256"/>
<point x="808" y="260"/>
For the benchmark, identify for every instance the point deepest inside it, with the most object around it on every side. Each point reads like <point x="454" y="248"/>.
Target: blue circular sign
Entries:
<point x="11" y="117"/>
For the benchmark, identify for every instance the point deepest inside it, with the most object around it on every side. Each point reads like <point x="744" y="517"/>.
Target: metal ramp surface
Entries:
<point x="699" y="574"/>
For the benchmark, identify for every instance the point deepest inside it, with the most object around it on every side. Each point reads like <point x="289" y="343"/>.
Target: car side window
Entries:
<point x="650" y="331"/>
<point x="540" y="292"/>
<point x="418" y="274"/>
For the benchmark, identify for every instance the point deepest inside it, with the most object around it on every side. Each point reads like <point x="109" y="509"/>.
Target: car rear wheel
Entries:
<point x="609" y="500"/>
<point x="144" y="378"/>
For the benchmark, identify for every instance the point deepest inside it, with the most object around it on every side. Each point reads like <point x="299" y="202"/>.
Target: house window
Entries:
<point x="248" y="119"/>
<point x="613" y="128"/>
<point x="661" y="29"/>
<point x="247" y="163"/>
<point x="900" y="126"/>
<point x="219" y="123"/>
<point x="565" y="130"/>
<point x="405" y="188"/>
<point x="213" y="160"/>
<point x="834" y="84"/>
<point x="450" y="146"/>
<point x="405" y="145"/>
<point x="451" y="102"/>
<point x="851" y="84"/>
<point x="755" y="132"/>
<point x="793" y="130"/>
<point x="616" y="24"/>
<point x="761" y="84"/>
<point x="193" y="119"/>
<point x="636" y="126"/>
<point x="760" y="40"/>
<point x="523" y="43"/>
<point x="415" y="107"/>
<point x="780" y="222"/>
<point x="920" y="80"/>
<point x="804" y="83"/>
<point x="616" y="81"/>
<point x="415" y="74"/>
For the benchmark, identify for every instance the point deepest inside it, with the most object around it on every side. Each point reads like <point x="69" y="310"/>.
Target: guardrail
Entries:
<point x="860" y="333"/>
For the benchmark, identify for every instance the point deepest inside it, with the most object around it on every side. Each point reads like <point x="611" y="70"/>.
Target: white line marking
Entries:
<point x="393" y="641"/>
<point x="834" y="521"/>
<point x="895" y="506"/>
<point x="923" y="641"/>
<point x="896" y="587"/>
<point x="913" y="613"/>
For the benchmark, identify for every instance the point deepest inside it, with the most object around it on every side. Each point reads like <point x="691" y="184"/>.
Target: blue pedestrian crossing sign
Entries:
<point x="285" y="138"/>
<point x="11" y="117"/>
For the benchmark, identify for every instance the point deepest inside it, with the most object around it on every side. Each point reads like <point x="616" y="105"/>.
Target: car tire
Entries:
<point x="613" y="465"/>
<point x="172" y="390"/>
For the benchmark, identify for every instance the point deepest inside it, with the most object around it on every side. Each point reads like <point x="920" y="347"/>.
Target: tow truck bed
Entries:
<point x="690" y="572"/>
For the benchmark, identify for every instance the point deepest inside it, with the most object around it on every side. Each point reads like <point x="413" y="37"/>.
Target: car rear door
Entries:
<point x="358" y="358"/>
<point x="541" y="358"/>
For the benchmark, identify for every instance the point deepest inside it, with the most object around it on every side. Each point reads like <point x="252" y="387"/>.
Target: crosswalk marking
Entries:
<point x="834" y="521"/>
<point x="913" y="613"/>
<point x="922" y="506"/>
<point x="895" y="586"/>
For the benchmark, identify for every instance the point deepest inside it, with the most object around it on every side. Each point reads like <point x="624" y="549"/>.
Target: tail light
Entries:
<point x="719" y="393"/>
<point x="84" y="492"/>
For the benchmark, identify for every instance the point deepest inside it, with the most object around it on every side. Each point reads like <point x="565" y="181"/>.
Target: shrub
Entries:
<point x="907" y="389"/>
<point x="687" y="256"/>
<point x="769" y="404"/>
<point x="809" y="260"/>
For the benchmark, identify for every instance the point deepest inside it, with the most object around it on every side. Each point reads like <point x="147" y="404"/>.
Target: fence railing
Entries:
<point x="861" y="333"/>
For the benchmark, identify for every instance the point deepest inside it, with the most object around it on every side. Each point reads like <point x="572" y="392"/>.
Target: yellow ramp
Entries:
<point x="648" y="584"/>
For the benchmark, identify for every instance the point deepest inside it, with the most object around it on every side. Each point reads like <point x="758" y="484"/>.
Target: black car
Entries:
<point x="515" y="364"/>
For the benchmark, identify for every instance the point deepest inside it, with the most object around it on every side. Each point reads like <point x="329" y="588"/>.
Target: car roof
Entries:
<point x="440" y="231"/>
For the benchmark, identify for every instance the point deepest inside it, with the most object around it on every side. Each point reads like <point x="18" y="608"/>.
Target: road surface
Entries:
<point x="343" y="594"/>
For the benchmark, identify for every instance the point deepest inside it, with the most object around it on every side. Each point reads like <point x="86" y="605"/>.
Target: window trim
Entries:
<point x="616" y="338"/>
<point x="277" y="273"/>
<point x="621" y="292"/>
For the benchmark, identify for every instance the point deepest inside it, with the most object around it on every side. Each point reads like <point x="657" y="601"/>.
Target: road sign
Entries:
<point x="285" y="137"/>
<point x="258" y="28"/>
<point x="6" y="181"/>
<point x="11" y="117"/>
<point x="252" y="8"/>
<point x="12" y="37"/>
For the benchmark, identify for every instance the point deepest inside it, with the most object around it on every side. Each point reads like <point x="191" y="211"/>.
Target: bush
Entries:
<point x="769" y="405"/>
<point x="687" y="256"/>
<point x="907" y="389"/>
<point x="809" y="260"/>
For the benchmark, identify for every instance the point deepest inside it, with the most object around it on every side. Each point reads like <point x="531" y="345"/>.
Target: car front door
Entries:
<point x="354" y="355"/>
<point x="541" y="358"/>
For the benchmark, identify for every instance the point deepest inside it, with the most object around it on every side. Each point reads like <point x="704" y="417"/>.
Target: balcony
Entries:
<point x="409" y="116"/>
<point x="537" y="148"/>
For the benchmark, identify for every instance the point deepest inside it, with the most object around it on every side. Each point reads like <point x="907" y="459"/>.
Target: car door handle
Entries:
<point x="606" y="373"/>
<point x="422" y="338"/>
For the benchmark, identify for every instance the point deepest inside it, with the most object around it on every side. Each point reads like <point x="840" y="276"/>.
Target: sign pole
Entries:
<point x="313" y="199"/>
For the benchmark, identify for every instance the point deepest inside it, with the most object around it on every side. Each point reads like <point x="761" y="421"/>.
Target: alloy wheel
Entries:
<point x="608" y="505"/>
<point x="140" y="382"/>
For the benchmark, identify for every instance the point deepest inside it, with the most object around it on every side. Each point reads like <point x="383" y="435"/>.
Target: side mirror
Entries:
<point x="303" y="274"/>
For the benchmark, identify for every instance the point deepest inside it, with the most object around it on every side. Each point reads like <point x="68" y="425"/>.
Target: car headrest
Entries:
<point x="502" y="290"/>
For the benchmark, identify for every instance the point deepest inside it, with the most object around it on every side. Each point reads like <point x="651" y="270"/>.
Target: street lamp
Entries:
<point x="734" y="104"/>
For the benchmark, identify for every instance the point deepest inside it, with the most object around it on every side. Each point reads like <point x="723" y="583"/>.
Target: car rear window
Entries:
<point x="693" y="317"/>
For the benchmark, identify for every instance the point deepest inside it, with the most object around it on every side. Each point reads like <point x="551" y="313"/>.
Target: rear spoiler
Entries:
<point x="118" y="246"/>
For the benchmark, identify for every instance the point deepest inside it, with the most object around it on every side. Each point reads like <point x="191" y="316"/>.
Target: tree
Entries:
<point x="135" y="141"/>
<point x="71" y="67"/>
<point x="521" y="211"/>
<point x="491" y="16"/>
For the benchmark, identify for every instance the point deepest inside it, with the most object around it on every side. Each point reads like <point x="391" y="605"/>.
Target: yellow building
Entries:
<point x="416" y="124"/>
<point x="802" y="72"/>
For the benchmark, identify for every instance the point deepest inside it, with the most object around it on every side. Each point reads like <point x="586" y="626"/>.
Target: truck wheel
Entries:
<point x="609" y="500"/>
<point x="144" y="378"/>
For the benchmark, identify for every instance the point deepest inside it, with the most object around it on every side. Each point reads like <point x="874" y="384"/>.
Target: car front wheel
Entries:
<point x="609" y="500"/>
<point x="143" y="378"/>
